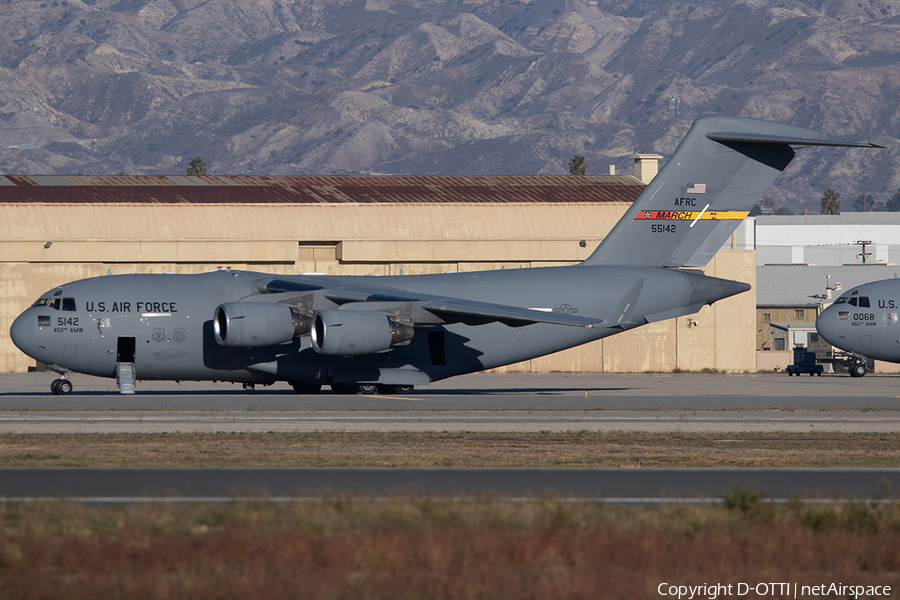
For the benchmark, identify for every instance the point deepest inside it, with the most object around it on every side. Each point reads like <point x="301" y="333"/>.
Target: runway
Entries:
<point x="651" y="402"/>
<point x="607" y="485"/>
<point x="483" y="402"/>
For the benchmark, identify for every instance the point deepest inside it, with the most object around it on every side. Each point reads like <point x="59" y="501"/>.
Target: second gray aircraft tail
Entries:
<point x="719" y="171"/>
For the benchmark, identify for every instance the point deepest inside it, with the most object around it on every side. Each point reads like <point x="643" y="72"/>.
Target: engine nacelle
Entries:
<point x="352" y="333"/>
<point x="256" y="324"/>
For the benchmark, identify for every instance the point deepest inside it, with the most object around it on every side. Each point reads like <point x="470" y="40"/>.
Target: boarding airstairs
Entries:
<point x="125" y="377"/>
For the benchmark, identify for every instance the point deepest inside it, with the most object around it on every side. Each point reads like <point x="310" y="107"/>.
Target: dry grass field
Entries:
<point x="417" y="548"/>
<point x="412" y="547"/>
<point x="577" y="449"/>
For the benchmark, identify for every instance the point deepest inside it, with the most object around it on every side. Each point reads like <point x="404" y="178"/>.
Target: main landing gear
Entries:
<point x="368" y="389"/>
<point x="395" y="389"/>
<point x="351" y="389"/>
<point x="61" y="387"/>
<point x="306" y="388"/>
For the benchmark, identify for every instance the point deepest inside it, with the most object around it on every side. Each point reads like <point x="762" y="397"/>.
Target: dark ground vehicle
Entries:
<point x="804" y="362"/>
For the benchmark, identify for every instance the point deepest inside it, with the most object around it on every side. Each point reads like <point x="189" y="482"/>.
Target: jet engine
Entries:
<point x="256" y="324"/>
<point x="351" y="333"/>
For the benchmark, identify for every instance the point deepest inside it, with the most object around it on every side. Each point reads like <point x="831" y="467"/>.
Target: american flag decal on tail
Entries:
<point x="696" y="188"/>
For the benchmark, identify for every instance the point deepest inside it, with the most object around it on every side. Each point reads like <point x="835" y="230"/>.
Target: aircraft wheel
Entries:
<point x="54" y="387"/>
<point x="395" y="389"/>
<point x="306" y="388"/>
<point x="343" y="389"/>
<point x="63" y="387"/>
<point x="366" y="388"/>
<point x="858" y="370"/>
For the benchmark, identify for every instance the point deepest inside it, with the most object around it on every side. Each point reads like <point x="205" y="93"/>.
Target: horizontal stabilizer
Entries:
<point x="758" y="138"/>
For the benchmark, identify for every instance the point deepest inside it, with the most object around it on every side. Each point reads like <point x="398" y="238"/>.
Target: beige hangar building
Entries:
<point x="62" y="228"/>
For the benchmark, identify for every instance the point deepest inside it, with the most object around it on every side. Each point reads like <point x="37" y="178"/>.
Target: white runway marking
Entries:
<point x="761" y="421"/>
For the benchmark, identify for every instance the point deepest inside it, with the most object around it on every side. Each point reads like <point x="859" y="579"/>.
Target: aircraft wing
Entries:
<point x="468" y="311"/>
<point x="447" y="309"/>
<point x="276" y="286"/>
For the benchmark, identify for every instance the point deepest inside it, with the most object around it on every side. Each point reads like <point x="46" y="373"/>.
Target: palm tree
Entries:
<point x="894" y="203"/>
<point x="831" y="204"/>
<point x="864" y="203"/>
<point x="196" y="166"/>
<point x="577" y="166"/>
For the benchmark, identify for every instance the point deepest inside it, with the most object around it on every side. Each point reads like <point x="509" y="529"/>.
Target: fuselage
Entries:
<point x="864" y="321"/>
<point x="163" y="324"/>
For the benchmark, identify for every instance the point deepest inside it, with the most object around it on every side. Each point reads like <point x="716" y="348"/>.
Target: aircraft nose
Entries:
<point x="22" y="331"/>
<point x="826" y="326"/>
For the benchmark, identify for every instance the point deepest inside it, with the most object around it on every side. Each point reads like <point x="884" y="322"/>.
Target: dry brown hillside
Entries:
<point x="440" y="87"/>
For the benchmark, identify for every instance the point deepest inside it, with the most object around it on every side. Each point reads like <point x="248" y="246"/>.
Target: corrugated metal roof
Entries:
<point x="798" y="285"/>
<point x="153" y="189"/>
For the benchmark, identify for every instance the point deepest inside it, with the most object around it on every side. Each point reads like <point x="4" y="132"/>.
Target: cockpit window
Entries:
<point x="852" y="301"/>
<point x="864" y="302"/>
<point x="52" y="303"/>
<point x="841" y="300"/>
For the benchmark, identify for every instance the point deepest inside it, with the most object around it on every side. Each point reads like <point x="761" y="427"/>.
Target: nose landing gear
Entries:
<point x="857" y="369"/>
<point x="61" y="387"/>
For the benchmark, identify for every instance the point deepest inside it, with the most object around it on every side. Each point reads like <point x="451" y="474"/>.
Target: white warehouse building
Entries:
<point x="827" y="240"/>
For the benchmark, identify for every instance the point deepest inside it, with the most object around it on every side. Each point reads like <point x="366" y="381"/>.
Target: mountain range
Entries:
<point x="453" y="87"/>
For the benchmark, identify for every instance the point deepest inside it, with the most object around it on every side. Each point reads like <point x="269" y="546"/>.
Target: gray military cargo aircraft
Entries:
<point x="864" y="322"/>
<point x="388" y="334"/>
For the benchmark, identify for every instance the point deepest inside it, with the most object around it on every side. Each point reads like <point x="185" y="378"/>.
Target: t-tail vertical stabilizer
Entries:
<point x="720" y="170"/>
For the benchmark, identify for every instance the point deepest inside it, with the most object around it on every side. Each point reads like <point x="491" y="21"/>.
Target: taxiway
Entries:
<point x="483" y="402"/>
